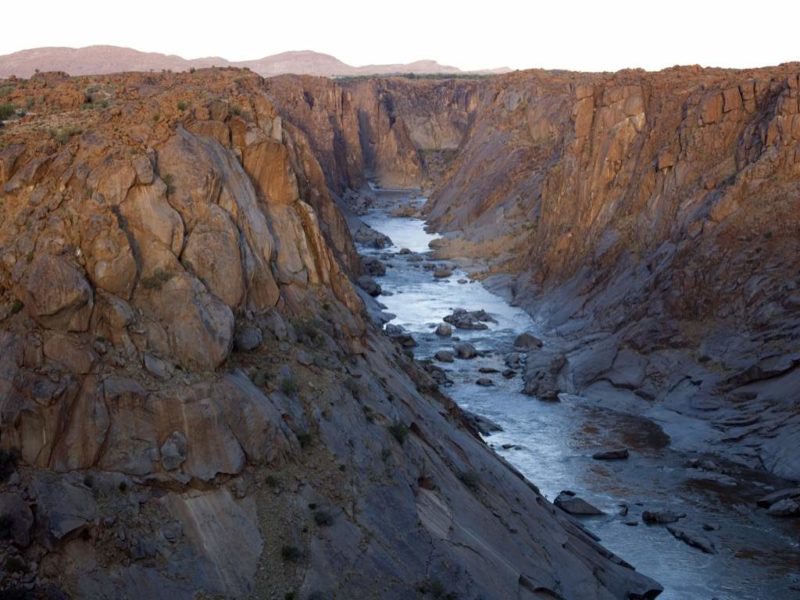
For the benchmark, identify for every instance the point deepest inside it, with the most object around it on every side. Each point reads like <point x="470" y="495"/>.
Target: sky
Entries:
<point x="558" y="34"/>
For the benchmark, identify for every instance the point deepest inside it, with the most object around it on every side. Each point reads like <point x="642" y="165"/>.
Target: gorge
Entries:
<point x="198" y="397"/>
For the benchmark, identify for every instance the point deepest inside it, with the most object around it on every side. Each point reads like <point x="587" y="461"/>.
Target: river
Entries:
<point x="757" y="557"/>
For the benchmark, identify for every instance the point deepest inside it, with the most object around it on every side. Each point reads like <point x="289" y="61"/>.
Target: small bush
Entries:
<point x="7" y="110"/>
<point x="291" y="553"/>
<point x="6" y="525"/>
<point x="16" y="306"/>
<point x="192" y="70"/>
<point x="8" y="463"/>
<point x="236" y="110"/>
<point x="469" y="479"/>
<point x="289" y="386"/>
<point x="323" y="518"/>
<point x="155" y="281"/>
<point x="63" y="134"/>
<point x="169" y="181"/>
<point x="399" y="432"/>
<point x="14" y="564"/>
<point x="182" y="106"/>
<point x="271" y="481"/>
<point x="304" y="438"/>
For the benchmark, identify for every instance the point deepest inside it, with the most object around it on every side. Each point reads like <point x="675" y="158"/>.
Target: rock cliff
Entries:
<point x="651" y="221"/>
<point x="192" y="399"/>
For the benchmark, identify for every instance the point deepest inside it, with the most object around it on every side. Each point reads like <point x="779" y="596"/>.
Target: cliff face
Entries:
<point x="391" y="130"/>
<point x="191" y="397"/>
<point x="658" y="212"/>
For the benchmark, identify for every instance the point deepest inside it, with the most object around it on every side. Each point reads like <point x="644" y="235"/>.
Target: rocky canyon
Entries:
<point x="199" y="396"/>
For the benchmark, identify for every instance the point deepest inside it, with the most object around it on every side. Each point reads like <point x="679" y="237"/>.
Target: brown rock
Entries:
<point x="57" y="295"/>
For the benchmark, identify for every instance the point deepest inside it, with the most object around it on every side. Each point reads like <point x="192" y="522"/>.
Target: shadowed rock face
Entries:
<point x="143" y="456"/>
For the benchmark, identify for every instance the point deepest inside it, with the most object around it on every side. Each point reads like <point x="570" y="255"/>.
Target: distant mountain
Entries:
<point x="97" y="60"/>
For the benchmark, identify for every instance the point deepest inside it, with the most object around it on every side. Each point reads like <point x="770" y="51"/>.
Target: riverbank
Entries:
<point x="752" y="555"/>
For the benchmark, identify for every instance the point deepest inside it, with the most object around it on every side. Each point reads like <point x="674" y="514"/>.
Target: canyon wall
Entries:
<point x="192" y="399"/>
<point x="649" y="221"/>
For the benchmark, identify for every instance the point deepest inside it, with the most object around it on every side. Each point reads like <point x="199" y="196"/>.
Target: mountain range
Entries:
<point x="97" y="60"/>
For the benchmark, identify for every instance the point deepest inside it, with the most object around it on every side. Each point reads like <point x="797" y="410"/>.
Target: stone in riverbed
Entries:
<point x="442" y="272"/>
<point x="527" y="341"/>
<point x="368" y="284"/>
<point x="692" y="539"/>
<point x="444" y="330"/>
<point x="574" y="505"/>
<point x="509" y="373"/>
<point x="471" y="320"/>
<point x="617" y="454"/>
<point x="787" y="507"/>
<point x="484" y="382"/>
<point x="777" y="496"/>
<point x="484" y="425"/>
<point x="465" y="350"/>
<point x="444" y="356"/>
<point x="373" y="267"/>
<point x="662" y="517"/>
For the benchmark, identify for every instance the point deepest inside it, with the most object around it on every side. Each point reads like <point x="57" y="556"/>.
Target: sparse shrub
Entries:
<point x="63" y="134"/>
<point x="6" y="525"/>
<point x="470" y="479"/>
<point x="304" y="438"/>
<point x="323" y="518"/>
<point x="14" y="564"/>
<point x="169" y="180"/>
<point x="8" y="463"/>
<point x="271" y="481"/>
<point x="155" y="281"/>
<point x="307" y="331"/>
<point x="182" y="106"/>
<point x="291" y="553"/>
<point x="16" y="306"/>
<point x="156" y="118"/>
<point x="236" y="110"/>
<point x="260" y="377"/>
<point x="368" y="414"/>
<point x="7" y="110"/>
<point x="289" y="385"/>
<point x="399" y="431"/>
<point x="192" y="70"/>
<point x="123" y="486"/>
<point x="6" y="90"/>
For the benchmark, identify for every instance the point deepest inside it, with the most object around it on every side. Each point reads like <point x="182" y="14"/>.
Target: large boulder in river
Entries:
<point x="527" y="341"/>
<point x="471" y="320"/>
<point x="465" y="350"/>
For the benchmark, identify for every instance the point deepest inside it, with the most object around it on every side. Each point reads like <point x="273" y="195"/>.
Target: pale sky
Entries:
<point x="576" y="35"/>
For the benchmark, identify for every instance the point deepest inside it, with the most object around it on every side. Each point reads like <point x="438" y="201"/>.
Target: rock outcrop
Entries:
<point x="192" y="399"/>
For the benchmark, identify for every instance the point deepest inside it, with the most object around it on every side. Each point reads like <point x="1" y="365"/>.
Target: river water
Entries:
<point x="758" y="557"/>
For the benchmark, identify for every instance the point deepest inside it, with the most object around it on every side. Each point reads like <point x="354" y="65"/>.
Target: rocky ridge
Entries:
<point x="192" y="398"/>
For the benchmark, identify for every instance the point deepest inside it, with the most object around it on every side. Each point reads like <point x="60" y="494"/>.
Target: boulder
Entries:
<point x="368" y="284"/>
<point x="465" y="350"/>
<point x="788" y="507"/>
<point x="777" y="496"/>
<point x="442" y="272"/>
<point x="373" y="266"/>
<point x="212" y="255"/>
<point x="661" y="517"/>
<point x="444" y="356"/>
<point x="483" y="425"/>
<point x="527" y="341"/>
<point x="616" y="454"/>
<point x="247" y="338"/>
<point x="57" y="295"/>
<point x="444" y="330"/>
<point x="62" y="508"/>
<point x="695" y="540"/>
<point x="18" y="519"/>
<point x="469" y="320"/>
<point x="484" y="382"/>
<point x="574" y="505"/>
<point x="368" y="237"/>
